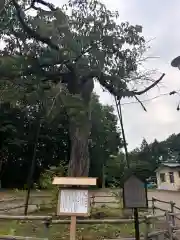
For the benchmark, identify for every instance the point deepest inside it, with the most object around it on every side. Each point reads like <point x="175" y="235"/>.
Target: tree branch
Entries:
<point x="142" y="105"/>
<point x="150" y="87"/>
<point x="67" y="61"/>
<point x="49" y="5"/>
<point x="2" y="4"/>
<point x="37" y="36"/>
<point x="30" y="31"/>
<point x="53" y="103"/>
<point x="87" y="49"/>
<point x="31" y="5"/>
<point x="124" y="92"/>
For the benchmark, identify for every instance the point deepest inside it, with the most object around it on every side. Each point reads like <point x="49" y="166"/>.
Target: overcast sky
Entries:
<point x="160" y="20"/>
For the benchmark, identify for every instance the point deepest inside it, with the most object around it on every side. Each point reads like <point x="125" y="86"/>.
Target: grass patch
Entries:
<point x="57" y="232"/>
<point x="106" y="212"/>
<point x="84" y="231"/>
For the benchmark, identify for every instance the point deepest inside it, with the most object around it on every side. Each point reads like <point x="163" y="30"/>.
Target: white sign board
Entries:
<point x="73" y="201"/>
<point x="134" y="193"/>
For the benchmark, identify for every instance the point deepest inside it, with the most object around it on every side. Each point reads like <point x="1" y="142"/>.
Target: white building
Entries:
<point x="168" y="176"/>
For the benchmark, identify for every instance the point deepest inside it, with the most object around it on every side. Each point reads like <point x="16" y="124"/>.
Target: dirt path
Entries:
<point x="10" y="201"/>
<point x="107" y="196"/>
<point x="168" y="196"/>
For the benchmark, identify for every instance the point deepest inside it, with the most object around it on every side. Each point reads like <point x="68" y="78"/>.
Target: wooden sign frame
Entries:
<point x="72" y="214"/>
<point x="73" y="183"/>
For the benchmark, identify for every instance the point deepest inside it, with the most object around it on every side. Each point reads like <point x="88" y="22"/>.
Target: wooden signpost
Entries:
<point x="134" y="197"/>
<point x="74" y="199"/>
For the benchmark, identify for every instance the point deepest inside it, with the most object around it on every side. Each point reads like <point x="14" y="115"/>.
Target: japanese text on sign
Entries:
<point x="74" y="201"/>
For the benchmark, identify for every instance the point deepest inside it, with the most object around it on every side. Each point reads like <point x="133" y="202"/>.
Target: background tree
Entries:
<point x="104" y="139"/>
<point x="115" y="170"/>
<point x="53" y="146"/>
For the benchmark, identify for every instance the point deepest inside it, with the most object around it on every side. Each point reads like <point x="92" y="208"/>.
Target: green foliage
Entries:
<point x="115" y="170"/>
<point x="46" y="178"/>
<point x="105" y="136"/>
<point x="45" y="181"/>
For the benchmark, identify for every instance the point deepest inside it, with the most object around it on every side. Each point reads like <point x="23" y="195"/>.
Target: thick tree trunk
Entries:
<point x="79" y="157"/>
<point x="80" y="126"/>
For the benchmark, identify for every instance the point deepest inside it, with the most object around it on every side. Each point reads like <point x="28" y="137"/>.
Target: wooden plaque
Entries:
<point x="134" y="193"/>
<point x="73" y="202"/>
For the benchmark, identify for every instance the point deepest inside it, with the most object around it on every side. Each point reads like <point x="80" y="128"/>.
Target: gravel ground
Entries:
<point x="102" y="197"/>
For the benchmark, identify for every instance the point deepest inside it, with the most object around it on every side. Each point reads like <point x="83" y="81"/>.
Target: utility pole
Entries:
<point x="33" y="165"/>
<point x="119" y="111"/>
<point x="103" y="176"/>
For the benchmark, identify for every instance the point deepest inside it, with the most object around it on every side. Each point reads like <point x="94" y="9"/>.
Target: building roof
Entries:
<point x="169" y="165"/>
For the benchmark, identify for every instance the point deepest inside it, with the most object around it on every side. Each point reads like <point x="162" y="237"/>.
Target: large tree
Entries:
<point x="73" y="50"/>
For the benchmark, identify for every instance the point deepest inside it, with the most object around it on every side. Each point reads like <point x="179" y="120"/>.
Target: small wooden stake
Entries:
<point x="73" y="228"/>
<point x="136" y="224"/>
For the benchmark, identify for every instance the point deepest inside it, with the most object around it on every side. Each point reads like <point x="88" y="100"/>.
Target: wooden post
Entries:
<point x="92" y="203"/>
<point x="172" y="211"/>
<point x="147" y="228"/>
<point x="136" y="224"/>
<point x="73" y="228"/>
<point x="153" y="205"/>
<point x="153" y="210"/>
<point x="103" y="177"/>
<point x="47" y="223"/>
<point x="170" y="233"/>
<point x="93" y="200"/>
